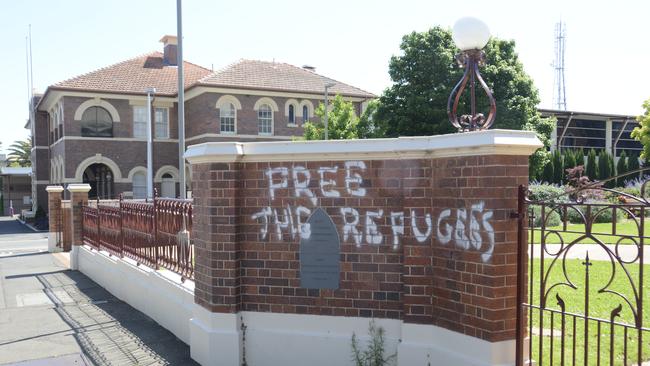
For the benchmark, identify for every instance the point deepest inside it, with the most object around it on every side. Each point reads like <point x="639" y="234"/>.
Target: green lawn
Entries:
<point x="603" y="232"/>
<point x="600" y="306"/>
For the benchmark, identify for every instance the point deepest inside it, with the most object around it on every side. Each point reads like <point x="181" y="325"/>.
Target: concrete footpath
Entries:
<point x="50" y="315"/>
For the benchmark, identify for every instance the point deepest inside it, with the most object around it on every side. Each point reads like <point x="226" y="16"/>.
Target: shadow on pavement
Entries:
<point x="109" y="331"/>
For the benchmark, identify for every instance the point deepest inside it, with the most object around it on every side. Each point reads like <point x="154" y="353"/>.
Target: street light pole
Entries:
<point x="150" y="92"/>
<point x="327" y="86"/>
<point x="181" y="102"/>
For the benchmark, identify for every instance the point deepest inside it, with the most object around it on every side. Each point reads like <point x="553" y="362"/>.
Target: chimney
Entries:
<point x="309" y="68"/>
<point x="170" y="45"/>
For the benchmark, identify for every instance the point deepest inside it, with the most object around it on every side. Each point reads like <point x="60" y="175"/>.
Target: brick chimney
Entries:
<point x="170" y="46"/>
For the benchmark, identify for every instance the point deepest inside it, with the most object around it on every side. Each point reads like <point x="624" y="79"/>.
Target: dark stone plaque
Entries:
<point x="320" y="253"/>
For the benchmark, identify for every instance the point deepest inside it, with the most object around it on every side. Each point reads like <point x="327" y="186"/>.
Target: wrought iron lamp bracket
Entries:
<point x="471" y="60"/>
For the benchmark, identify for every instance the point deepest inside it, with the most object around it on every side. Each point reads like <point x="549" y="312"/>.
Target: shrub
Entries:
<point x="604" y="217"/>
<point x="374" y="354"/>
<point x="545" y="192"/>
<point x="552" y="218"/>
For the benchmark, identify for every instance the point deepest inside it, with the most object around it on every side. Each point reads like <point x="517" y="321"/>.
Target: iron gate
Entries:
<point x="581" y="277"/>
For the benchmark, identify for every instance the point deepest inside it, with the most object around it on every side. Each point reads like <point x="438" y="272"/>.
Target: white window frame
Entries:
<point x="259" y="119"/>
<point x="144" y="123"/>
<point x="142" y="188"/>
<point x="234" y="117"/>
<point x="155" y="122"/>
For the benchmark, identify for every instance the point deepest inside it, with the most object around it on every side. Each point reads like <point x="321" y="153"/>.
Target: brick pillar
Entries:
<point x="55" y="220"/>
<point x="216" y="275"/>
<point x="78" y="197"/>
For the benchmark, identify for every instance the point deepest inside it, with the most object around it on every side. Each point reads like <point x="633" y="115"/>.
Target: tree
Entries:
<point x="580" y="157"/>
<point x="341" y="120"/>
<point x="426" y="72"/>
<point x="621" y="168"/>
<point x="368" y="126"/>
<point x="20" y="153"/>
<point x="548" y="174"/>
<point x="605" y="167"/>
<point x="632" y="165"/>
<point x="642" y="132"/>
<point x="569" y="163"/>
<point x="592" y="167"/>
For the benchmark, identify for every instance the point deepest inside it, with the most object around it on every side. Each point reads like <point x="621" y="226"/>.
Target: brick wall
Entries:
<point x="427" y="241"/>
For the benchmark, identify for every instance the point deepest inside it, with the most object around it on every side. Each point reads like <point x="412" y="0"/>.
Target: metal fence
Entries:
<point x="154" y="233"/>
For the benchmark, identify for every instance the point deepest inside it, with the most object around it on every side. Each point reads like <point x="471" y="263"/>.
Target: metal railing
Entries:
<point x="154" y="233"/>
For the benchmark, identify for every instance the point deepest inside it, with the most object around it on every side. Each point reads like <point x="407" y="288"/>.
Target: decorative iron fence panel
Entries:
<point x="155" y="233"/>
<point x="582" y="275"/>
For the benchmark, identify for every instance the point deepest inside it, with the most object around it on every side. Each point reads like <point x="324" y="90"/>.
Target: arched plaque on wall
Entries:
<point x="320" y="253"/>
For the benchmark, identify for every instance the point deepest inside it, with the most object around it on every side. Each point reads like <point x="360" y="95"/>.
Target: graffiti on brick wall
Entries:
<point x="464" y="228"/>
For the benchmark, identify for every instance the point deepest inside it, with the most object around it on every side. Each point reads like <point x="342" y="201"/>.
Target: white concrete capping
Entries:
<point x="54" y="189"/>
<point x="490" y="142"/>
<point x="79" y="188"/>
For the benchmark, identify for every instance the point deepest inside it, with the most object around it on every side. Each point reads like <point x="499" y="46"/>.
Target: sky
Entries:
<point x="350" y="41"/>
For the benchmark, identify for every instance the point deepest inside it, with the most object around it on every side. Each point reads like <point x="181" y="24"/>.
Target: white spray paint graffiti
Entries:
<point x="465" y="229"/>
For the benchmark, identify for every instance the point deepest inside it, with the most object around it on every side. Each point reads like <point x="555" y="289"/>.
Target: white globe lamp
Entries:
<point x="470" y="33"/>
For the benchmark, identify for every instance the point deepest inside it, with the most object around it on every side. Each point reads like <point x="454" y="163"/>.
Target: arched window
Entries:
<point x="292" y="115"/>
<point x="96" y="122"/>
<point x="305" y="113"/>
<point x="265" y="120"/>
<point x="227" y="118"/>
<point x="139" y="185"/>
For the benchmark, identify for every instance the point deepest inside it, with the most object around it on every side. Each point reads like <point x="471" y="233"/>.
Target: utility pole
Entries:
<point x="181" y="102"/>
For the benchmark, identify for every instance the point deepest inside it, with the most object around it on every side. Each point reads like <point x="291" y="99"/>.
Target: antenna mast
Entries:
<point x="559" y="86"/>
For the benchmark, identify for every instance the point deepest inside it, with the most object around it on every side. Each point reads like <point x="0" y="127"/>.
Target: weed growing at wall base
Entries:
<point x="373" y="355"/>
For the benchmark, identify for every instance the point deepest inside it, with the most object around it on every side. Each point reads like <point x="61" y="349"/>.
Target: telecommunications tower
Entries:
<point x="559" y="86"/>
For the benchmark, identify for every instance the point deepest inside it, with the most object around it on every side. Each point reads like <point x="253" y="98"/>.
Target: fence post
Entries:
<point x="99" y="230"/>
<point x="56" y="229"/>
<point x="121" y="228"/>
<point x="78" y="198"/>
<point x="155" y="227"/>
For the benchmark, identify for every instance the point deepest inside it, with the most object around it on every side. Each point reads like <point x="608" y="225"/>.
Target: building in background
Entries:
<point x="92" y="128"/>
<point x="598" y="131"/>
<point x="16" y="189"/>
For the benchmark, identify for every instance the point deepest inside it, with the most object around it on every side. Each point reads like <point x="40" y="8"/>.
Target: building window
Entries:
<point x="96" y="122"/>
<point x="140" y="122"/>
<point x="139" y="185"/>
<point x="265" y="120"/>
<point x="162" y="123"/>
<point x="227" y="118"/>
<point x="305" y="113"/>
<point x="292" y="115"/>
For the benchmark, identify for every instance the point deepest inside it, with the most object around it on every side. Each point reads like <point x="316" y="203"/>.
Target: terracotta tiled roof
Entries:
<point x="251" y="74"/>
<point x="135" y="76"/>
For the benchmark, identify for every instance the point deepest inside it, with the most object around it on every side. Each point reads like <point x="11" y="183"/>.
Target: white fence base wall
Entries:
<point x="51" y="242"/>
<point x="274" y="339"/>
<point x="158" y="294"/>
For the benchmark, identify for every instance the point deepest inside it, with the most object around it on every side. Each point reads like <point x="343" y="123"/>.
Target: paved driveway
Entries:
<point x="54" y="316"/>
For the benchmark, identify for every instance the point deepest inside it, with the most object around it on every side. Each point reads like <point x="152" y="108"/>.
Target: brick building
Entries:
<point x="92" y="128"/>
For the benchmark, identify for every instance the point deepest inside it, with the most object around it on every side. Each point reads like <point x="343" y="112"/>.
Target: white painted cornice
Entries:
<point x="490" y="142"/>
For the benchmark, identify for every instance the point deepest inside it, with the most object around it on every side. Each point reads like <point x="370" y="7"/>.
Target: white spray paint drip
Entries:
<point x="355" y="178"/>
<point x="373" y="236"/>
<point x="304" y="229"/>
<point x="300" y="186"/>
<point x="324" y="183"/>
<point x="397" y="226"/>
<point x="419" y="236"/>
<point x="264" y="215"/>
<point x="284" y="173"/>
<point x="350" y="227"/>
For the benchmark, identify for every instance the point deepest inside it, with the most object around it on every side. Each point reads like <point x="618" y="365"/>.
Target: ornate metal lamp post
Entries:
<point x="470" y="35"/>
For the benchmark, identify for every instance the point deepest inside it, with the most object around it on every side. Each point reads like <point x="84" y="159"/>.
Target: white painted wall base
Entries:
<point x="273" y="339"/>
<point x="51" y="242"/>
<point x="424" y="344"/>
<point x="74" y="257"/>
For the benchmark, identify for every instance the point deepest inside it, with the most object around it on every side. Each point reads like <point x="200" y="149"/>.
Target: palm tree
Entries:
<point x="20" y="153"/>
